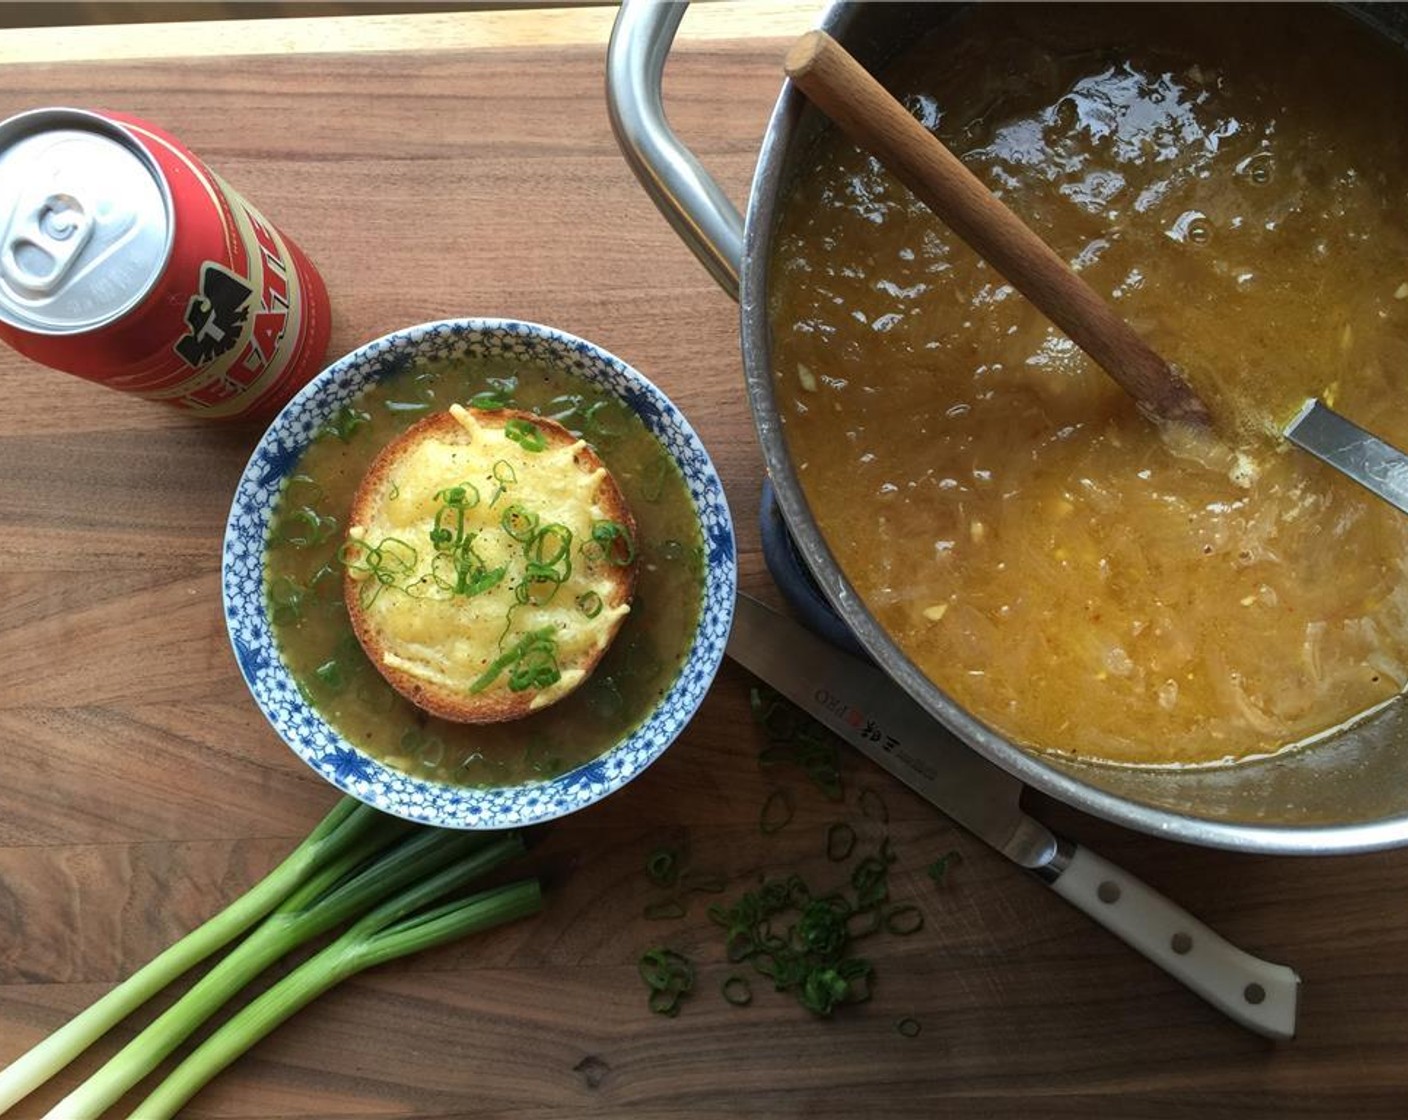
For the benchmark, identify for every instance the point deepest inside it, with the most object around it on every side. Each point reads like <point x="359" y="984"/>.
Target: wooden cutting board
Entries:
<point x="474" y="172"/>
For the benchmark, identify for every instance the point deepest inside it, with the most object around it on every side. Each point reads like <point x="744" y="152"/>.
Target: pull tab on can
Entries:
<point x="87" y="222"/>
<point x="43" y="243"/>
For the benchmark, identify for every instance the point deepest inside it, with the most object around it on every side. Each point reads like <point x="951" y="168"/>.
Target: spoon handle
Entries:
<point x="846" y="92"/>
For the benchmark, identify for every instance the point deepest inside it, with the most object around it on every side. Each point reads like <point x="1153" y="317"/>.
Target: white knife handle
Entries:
<point x="1255" y="993"/>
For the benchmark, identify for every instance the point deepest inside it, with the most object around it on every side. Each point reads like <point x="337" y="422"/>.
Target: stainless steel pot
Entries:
<point x="1347" y="793"/>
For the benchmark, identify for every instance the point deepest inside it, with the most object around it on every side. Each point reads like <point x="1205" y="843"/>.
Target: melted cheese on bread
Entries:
<point x="448" y="527"/>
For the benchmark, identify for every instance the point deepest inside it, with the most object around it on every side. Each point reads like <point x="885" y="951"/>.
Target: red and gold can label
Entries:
<point x="241" y="329"/>
<point x="229" y="323"/>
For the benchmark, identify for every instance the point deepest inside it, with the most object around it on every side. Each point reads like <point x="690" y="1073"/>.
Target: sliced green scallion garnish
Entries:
<point x="332" y="676"/>
<point x="908" y="1027"/>
<point x="538" y="586"/>
<point x="870" y="878"/>
<point x="904" y="919"/>
<point x="531" y="662"/>
<point x="519" y="523"/>
<point x="448" y="532"/>
<point x="464" y="495"/>
<point x="354" y="554"/>
<point x="481" y="580"/>
<point x="548" y="563"/>
<point x="840" y="842"/>
<point x="526" y="434"/>
<point x="304" y="527"/>
<point x="326" y="583"/>
<point x="387" y="564"/>
<point x="396" y="557"/>
<point x="652" y="483"/>
<point x="796" y="739"/>
<point x="562" y="409"/>
<point x="610" y="541"/>
<point x="536" y="669"/>
<point x="504" y="477"/>
<point x="589" y="603"/>
<point x="777" y="811"/>
<point x="285" y="601"/>
<point x="301" y="490"/>
<point x="670" y="977"/>
<point x="603" y="419"/>
<point x="940" y="868"/>
<point x="498" y="393"/>
<point x="344" y="423"/>
<point x="462" y="571"/>
<point x="663" y="866"/>
<point x="850" y="981"/>
<point x="549" y="546"/>
<point x="810" y="955"/>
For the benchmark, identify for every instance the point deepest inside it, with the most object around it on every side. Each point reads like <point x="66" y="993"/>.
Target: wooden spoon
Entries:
<point x="846" y="92"/>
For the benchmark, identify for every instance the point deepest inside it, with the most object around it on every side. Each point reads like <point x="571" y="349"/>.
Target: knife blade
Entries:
<point x="855" y="700"/>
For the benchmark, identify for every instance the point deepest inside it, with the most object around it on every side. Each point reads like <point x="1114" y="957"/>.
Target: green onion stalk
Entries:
<point x="340" y="890"/>
<point x="384" y="934"/>
<point x="349" y="829"/>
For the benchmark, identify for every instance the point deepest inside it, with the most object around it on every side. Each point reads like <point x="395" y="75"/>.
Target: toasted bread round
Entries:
<point x="490" y="561"/>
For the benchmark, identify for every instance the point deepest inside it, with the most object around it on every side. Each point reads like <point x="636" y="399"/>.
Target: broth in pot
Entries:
<point x="1079" y="581"/>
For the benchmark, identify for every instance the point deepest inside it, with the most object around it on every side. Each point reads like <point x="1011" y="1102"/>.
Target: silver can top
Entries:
<point x="85" y="221"/>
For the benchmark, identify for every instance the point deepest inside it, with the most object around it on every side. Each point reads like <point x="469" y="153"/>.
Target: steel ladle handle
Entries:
<point x="689" y="197"/>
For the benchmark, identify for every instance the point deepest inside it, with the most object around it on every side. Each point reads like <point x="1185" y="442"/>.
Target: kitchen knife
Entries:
<point x="863" y="706"/>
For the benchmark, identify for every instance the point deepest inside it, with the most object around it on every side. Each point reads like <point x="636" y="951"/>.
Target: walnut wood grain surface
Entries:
<point x="140" y="789"/>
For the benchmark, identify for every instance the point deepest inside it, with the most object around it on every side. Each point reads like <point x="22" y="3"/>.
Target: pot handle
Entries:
<point x="692" y="202"/>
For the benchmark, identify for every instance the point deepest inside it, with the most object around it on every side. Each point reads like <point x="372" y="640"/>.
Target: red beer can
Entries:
<point x="127" y="261"/>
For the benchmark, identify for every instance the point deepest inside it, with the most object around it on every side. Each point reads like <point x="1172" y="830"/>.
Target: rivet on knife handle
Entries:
<point x="1259" y="995"/>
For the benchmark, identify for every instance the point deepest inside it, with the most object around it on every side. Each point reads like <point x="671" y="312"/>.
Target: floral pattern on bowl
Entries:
<point x="320" y="745"/>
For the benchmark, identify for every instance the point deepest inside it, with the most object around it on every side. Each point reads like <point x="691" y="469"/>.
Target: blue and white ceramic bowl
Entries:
<point x="273" y="686"/>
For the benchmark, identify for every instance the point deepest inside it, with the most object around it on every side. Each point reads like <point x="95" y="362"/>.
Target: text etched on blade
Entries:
<point x="871" y="730"/>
